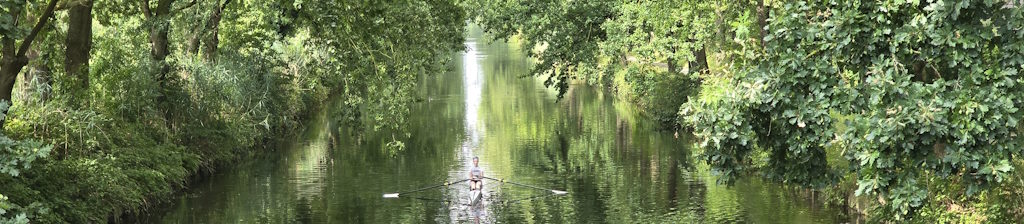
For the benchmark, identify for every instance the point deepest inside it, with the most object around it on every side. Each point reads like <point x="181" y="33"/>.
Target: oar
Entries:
<point x="441" y="201"/>
<point x="395" y="195"/>
<point x="529" y="198"/>
<point x="557" y="192"/>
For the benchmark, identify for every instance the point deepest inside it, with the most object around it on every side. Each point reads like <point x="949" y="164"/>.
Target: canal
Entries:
<point x="615" y="164"/>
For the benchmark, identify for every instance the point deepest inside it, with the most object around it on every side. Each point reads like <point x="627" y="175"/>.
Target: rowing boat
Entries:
<point x="475" y="197"/>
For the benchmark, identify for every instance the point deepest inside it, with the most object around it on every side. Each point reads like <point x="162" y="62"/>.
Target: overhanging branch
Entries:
<point x="27" y="42"/>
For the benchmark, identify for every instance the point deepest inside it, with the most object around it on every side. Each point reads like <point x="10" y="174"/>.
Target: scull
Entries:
<point x="397" y="195"/>
<point x="475" y="196"/>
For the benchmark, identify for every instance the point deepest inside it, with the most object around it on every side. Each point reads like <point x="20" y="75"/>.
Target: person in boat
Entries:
<point x="476" y="175"/>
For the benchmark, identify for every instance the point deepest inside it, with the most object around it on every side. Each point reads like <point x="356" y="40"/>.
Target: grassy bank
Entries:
<point x="119" y="155"/>
<point x="116" y="105"/>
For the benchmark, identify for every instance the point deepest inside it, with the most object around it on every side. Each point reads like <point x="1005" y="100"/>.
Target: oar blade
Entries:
<point x="391" y="195"/>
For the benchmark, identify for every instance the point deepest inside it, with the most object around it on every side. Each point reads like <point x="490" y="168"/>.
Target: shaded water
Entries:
<point x="616" y="167"/>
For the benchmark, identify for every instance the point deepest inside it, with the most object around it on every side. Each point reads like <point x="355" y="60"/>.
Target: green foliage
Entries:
<point x="1011" y="194"/>
<point x="224" y="111"/>
<point x="23" y="215"/>
<point x="930" y="88"/>
<point x="17" y="157"/>
<point x="9" y="28"/>
<point x="99" y="163"/>
<point x="949" y="202"/>
<point x="379" y="50"/>
<point x="625" y="45"/>
<point x="660" y="30"/>
<point x="122" y="89"/>
<point x="659" y="92"/>
<point x="727" y="137"/>
<point x="278" y="60"/>
<point x="81" y="132"/>
<point x="568" y="32"/>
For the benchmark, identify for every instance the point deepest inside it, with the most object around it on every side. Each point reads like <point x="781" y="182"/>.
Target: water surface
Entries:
<point x="611" y="159"/>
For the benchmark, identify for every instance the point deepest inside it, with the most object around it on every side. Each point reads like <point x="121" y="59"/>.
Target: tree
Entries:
<point x="568" y="31"/>
<point x="662" y="31"/>
<point x="204" y="33"/>
<point x="159" y="21"/>
<point x="79" y="45"/>
<point x="382" y="49"/>
<point x="211" y="31"/>
<point x="922" y="89"/>
<point x="14" y="58"/>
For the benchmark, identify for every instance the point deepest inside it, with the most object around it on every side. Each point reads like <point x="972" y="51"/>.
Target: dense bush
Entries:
<point x="17" y="157"/>
<point x="120" y="157"/>
<point x="929" y="92"/>
<point x="658" y="92"/>
<point x="915" y="103"/>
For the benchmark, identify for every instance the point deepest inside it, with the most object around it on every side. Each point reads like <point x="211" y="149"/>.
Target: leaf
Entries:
<point x="1003" y="166"/>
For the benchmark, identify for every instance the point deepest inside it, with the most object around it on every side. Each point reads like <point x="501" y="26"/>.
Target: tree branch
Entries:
<point x="27" y="42"/>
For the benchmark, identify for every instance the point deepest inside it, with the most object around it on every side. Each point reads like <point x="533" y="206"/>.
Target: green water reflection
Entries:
<point x="617" y="168"/>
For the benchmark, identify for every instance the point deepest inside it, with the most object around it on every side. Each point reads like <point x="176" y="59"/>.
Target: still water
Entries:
<point x="611" y="159"/>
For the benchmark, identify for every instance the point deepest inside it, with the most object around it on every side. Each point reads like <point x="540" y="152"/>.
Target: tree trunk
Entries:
<point x="14" y="59"/>
<point x="722" y="37"/>
<point x="671" y="65"/>
<point x="160" y="50"/>
<point x="10" y="66"/>
<point x="158" y="39"/>
<point x="79" y="44"/>
<point x="700" y="63"/>
<point x="160" y="45"/>
<point x="762" y="21"/>
<point x="192" y="48"/>
<point x="671" y="60"/>
<point x="212" y="28"/>
<point x="159" y="19"/>
<point x="161" y="24"/>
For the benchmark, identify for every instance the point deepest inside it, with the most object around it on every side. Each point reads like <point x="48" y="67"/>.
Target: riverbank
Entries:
<point x="590" y="143"/>
<point x="861" y="116"/>
<point x="121" y="114"/>
<point x="104" y="166"/>
<point x="661" y="95"/>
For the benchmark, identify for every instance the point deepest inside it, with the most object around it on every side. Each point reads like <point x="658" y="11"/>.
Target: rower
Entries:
<point x="476" y="175"/>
